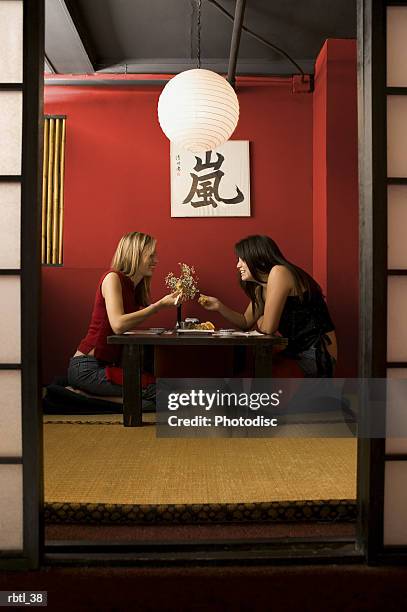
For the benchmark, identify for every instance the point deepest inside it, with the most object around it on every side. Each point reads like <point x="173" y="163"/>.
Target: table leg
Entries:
<point x="263" y="361"/>
<point x="132" y="399"/>
<point x="239" y="360"/>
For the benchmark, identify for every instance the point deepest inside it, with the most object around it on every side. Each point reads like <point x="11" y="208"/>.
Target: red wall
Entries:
<point x="335" y="193"/>
<point x="320" y="170"/>
<point x="117" y="180"/>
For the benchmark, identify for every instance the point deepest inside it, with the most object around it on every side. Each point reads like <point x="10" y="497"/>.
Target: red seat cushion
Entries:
<point x="115" y="375"/>
<point x="283" y="367"/>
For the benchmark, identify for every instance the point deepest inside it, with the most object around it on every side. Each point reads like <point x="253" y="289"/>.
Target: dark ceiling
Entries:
<point x="160" y="36"/>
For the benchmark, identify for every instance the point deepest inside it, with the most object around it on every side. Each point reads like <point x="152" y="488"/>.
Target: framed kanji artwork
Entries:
<point x="212" y="183"/>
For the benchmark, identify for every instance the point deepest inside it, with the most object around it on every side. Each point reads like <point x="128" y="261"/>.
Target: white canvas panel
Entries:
<point x="396" y="319"/>
<point x="11" y="41"/>
<point x="10" y="225"/>
<point x="396" y="46"/>
<point x="395" y="503"/>
<point x="10" y="413"/>
<point x="11" y="507"/>
<point x="396" y="414"/>
<point x="10" y="317"/>
<point x="10" y="131"/>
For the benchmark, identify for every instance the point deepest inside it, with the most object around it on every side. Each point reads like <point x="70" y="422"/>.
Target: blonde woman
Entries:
<point x="122" y="302"/>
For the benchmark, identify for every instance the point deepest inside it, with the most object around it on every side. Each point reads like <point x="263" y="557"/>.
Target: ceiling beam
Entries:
<point x="245" y="66"/>
<point x="64" y="47"/>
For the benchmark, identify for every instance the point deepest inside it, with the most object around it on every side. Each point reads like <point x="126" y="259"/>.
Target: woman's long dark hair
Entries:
<point x="261" y="254"/>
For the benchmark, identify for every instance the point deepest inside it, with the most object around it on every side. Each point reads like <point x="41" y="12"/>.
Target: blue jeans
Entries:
<point x="308" y="362"/>
<point x="88" y="374"/>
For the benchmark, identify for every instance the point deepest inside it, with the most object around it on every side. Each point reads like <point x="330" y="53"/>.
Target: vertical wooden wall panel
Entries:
<point x="44" y="194"/>
<point x="61" y="193"/>
<point x="55" y="194"/>
<point x="53" y="190"/>
<point x="51" y="145"/>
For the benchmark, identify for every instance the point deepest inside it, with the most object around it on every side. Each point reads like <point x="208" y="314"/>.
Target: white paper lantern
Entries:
<point x="198" y="110"/>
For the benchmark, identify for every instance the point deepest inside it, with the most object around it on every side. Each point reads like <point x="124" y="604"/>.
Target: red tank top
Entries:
<point x="99" y="327"/>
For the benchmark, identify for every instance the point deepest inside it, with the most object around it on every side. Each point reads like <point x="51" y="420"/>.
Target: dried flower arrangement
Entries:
<point x="187" y="282"/>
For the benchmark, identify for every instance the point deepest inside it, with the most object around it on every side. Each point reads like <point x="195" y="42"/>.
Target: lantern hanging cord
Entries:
<point x="198" y="32"/>
<point x="259" y="38"/>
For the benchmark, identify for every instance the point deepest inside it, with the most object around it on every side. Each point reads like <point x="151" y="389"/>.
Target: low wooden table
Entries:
<point x="132" y="362"/>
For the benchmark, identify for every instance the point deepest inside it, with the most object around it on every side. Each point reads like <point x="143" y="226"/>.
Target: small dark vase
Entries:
<point x="179" y="316"/>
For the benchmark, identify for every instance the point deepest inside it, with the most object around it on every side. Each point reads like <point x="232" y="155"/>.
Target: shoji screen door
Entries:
<point x="395" y="475"/>
<point x="21" y="76"/>
<point x="382" y="40"/>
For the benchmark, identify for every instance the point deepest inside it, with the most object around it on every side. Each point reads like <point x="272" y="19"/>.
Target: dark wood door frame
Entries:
<point x="373" y="333"/>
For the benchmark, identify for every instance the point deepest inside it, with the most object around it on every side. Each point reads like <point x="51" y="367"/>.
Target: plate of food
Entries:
<point x="206" y="332"/>
<point x="201" y="328"/>
<point x="226" y="332"/>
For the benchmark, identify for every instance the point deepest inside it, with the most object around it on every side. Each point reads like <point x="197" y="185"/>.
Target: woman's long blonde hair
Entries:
<point x="127" y="259"/>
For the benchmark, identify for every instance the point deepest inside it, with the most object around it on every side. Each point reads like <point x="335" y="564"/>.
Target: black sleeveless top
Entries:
<point x="304" y="323"/>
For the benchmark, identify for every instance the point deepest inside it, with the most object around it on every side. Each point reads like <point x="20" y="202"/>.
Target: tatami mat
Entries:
<point x="110" y="464"/>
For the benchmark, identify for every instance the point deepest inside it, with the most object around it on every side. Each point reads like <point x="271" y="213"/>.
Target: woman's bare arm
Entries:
<point x="279" y="285"/>
<point x="119" y="321"/>
<point x="243" y="321"/>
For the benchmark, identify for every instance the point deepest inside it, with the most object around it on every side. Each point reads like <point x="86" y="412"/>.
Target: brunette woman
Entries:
<point x="285" y="299"/>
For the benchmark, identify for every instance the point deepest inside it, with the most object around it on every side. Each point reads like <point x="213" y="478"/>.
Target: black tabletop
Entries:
<point x="195" y="339"/>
